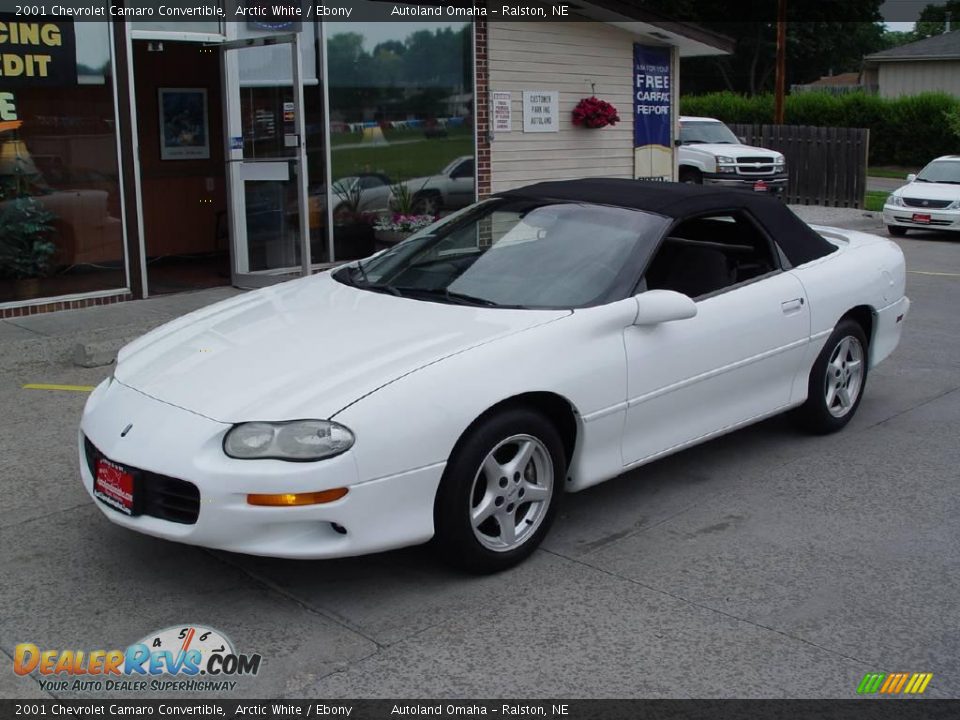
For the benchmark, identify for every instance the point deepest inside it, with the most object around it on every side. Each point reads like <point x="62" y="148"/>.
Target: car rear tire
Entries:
<point x="896" y="230"/>
<point x="500" y="491"/>
<point x="837" y="380"/>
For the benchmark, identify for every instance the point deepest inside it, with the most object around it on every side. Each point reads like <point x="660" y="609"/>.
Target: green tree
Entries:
<point x="820" y="40"/>
<point x="933" y="19"/>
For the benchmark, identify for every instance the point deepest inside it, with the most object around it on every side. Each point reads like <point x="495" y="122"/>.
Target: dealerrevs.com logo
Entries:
<point x="183" y="658"/>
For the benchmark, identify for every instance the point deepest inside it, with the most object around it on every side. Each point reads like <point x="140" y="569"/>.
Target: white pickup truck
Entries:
<point x="711" y="154"/>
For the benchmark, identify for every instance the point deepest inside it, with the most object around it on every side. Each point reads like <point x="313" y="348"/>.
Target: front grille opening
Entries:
<point x="933" y="204"/>
<point x="162" y="497"/>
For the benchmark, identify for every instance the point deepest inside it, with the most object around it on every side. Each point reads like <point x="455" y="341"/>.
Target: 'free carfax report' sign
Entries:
<point x="652" y="113"/>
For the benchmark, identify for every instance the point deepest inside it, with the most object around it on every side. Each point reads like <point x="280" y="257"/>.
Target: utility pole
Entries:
<point x="781" y="77"/>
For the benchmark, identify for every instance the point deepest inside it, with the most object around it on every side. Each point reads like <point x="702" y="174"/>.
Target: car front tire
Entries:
<point x="500" y="491"/>
<point x="837" y="380"/>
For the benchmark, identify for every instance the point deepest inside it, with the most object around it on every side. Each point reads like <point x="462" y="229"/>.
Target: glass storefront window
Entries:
<point x="60" y="221"/>
<point x="401" y="125"/>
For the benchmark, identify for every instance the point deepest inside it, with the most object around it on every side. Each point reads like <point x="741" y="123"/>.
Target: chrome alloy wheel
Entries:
<point x="511" y="493"/>
<point x="844" y="376"/>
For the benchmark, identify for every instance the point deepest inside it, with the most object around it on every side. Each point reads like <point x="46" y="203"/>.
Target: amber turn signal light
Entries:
<point x="294" y="499"/>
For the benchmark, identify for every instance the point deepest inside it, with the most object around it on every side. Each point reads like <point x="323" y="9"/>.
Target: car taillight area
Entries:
<point x="158" y="495"/>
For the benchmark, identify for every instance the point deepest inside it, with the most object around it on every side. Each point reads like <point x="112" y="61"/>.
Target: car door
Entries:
<point x="734" y="362"/>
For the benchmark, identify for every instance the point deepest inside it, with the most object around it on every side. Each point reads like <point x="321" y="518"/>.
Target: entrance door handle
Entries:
<point x="791" y="306"/>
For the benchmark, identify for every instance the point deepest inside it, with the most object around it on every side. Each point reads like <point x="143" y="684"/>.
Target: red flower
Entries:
<point x="593" y="112"/>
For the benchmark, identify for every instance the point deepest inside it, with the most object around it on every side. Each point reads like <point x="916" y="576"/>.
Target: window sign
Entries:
<point x="501" y="111"/>
<point x="652" y="113"/>
<point x="37" y="54"/>
<point x="540" y="111"/>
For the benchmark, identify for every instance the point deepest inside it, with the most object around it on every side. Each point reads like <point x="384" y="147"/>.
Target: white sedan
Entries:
<point x="457" y="385"/>
<point x="929" y="201"/>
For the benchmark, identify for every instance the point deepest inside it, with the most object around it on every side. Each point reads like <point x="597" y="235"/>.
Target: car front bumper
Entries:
<point x="904" y="217"/>
<point x="375" y="515"/>
<point x="776" y="184"/>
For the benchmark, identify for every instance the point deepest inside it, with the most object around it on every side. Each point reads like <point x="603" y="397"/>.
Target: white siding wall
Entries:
<point x="568" y="57"/>
<point x="910" y="78"/>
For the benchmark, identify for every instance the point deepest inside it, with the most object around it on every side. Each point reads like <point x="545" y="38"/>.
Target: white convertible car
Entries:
<point x="458" y="384"/>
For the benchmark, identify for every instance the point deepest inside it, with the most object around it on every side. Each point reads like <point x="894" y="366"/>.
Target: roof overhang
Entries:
<point x="869" y="61"/>
<point x="692" y="40"/>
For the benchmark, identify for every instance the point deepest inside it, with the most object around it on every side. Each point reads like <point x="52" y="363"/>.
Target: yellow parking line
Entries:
<point x="72" y="388"/>
<point x="928" y="272"/>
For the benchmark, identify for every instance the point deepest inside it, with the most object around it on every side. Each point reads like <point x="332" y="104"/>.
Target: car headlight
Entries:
<point x="779" y="163"/>
<point x="955" y="205"/>
<point x="296" y="440"/>
<point x="895" y="200"/>
<point x="725" y="159"/>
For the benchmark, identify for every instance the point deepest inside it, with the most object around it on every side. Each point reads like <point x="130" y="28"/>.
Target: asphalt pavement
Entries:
<point x="766" y="563"/>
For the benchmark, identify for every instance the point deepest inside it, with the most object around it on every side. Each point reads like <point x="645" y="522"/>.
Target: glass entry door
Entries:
<point x="266" y="159"/>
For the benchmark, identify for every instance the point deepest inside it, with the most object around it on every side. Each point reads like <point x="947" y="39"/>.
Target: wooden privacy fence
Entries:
<point x="826" y="165"/>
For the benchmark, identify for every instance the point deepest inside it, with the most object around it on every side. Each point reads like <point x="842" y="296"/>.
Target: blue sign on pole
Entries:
<point x="652" y="113"/>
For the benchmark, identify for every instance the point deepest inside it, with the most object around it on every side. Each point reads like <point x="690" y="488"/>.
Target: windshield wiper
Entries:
<point x="358" y="279"/>
<point x="443" y="293"/>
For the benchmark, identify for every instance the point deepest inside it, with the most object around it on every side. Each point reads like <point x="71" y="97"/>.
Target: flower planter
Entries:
<point x="352" y="242"/>
<point x="594" y="113"/>
<point x="26" y="288"/>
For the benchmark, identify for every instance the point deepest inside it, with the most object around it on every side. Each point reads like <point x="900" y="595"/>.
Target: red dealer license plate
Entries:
<point x="760" y="186"/>
<point x="921" y="218"/>
<point x="115" y="486"/>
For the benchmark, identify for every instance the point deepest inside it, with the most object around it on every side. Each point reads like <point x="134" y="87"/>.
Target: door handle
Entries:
<point x="791" y="306"/>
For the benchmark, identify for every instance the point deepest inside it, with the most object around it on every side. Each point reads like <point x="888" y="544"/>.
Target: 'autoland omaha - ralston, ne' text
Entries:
<point x="452" y="709"/>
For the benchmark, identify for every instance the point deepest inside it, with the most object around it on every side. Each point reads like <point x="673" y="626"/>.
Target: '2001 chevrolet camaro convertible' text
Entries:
<point x="458" y="384"/>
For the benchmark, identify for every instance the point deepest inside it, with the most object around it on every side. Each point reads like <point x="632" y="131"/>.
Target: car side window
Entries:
<point x="708" y="254"/>
<point x="463" y="170"/>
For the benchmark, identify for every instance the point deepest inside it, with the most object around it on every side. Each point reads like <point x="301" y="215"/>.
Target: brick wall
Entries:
<point x="43" y="306"/>
<point x="482" y="106"/>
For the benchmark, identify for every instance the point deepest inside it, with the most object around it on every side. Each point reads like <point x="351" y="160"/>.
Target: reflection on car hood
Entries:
<point x="732" y="150"/>
<point x="930" y="191"/>
<point x="306" y="348"/>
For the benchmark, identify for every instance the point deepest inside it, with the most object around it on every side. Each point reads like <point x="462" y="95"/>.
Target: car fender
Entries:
<point x="866" y="271"/>
<point x="702" y="161"/>
<point x="417" y="420"/>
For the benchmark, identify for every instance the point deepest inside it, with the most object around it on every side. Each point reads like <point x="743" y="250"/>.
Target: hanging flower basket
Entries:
<point x="592" y="112"/>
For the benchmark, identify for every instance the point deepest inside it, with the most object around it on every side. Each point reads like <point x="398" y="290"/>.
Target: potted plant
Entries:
<point x="353" y="235"/>
<point x="592" y="112"/>
<point x="25" y="246"/>
<point x="391" y="230"/>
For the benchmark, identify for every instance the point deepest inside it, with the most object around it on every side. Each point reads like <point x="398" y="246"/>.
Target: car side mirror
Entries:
<point x="677" y="142"/>
<point x="742" y="139"/>
<point x="911" y="177"/>
<point x="660" y="306"/>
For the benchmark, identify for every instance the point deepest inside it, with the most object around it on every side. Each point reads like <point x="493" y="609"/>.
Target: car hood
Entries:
<point x="732" y="150"/>
<point x="930" y="191"/>
<point x="306" y="348"/>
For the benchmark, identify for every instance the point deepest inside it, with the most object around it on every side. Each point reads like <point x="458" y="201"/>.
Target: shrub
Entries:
<point x="906" y="131"/>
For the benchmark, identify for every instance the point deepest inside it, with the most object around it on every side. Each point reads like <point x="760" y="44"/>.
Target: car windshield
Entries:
<point x="509" y="253"/>
<point x="706" y="132"/>
<point x="941" y="171"/>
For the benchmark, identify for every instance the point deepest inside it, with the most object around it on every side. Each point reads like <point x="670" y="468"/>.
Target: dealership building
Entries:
<point x="147" y="156"/>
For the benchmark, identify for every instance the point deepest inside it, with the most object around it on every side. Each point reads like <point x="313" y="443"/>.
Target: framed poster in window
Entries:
<point x="184" y="124"/>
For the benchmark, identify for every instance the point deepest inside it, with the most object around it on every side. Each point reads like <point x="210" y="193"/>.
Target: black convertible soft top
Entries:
<point x="676" y="200"/>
